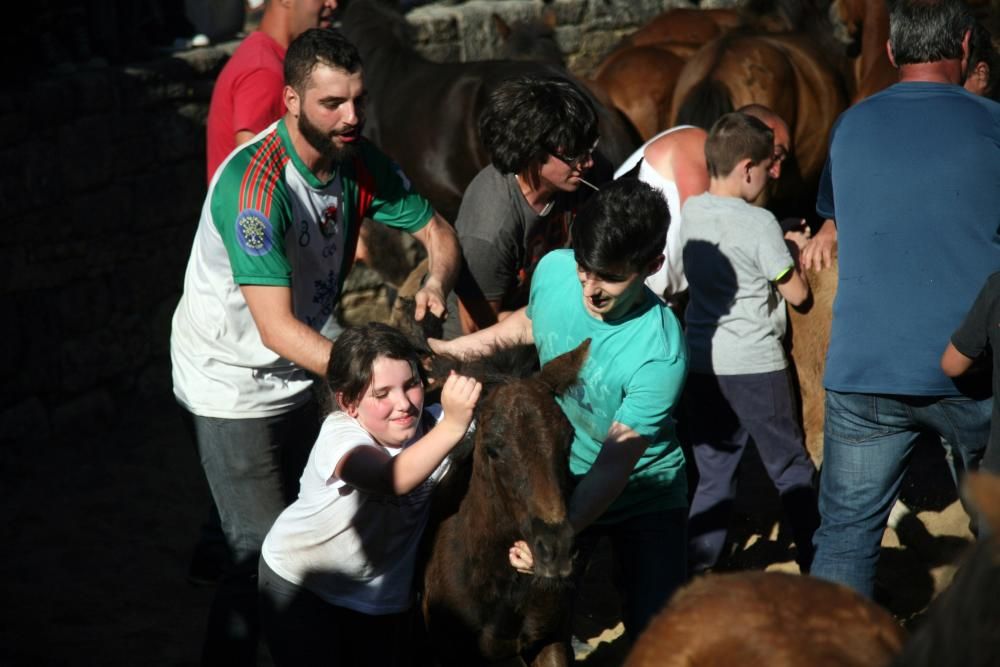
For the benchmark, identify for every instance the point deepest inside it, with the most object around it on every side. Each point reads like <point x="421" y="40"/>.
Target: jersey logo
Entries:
<point x="254" y="233"/>
<point x="328" y="221"/>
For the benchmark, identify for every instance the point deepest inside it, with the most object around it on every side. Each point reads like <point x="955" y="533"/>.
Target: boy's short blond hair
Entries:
<point x="734" y="137"/>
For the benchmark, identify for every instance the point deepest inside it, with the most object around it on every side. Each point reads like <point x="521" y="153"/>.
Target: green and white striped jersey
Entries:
<point x="267" y="220"/>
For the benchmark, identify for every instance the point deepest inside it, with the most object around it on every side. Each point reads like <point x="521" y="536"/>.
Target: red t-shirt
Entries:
<point x="247" y="95"/>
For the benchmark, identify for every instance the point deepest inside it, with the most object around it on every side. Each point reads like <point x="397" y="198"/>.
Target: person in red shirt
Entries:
<point x="247" y="95"/>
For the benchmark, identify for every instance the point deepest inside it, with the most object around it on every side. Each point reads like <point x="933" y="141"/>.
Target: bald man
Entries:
<point x="673" y="162"/>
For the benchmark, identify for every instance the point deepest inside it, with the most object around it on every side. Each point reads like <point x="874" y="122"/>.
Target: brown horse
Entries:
<point x="784" y="72"/>
<point x="425" y="114"/>
<point x="768" y="618"/>
<point x="639" y="81"/>
<point x="864" y="26"/>
<point x="686" y="26"/>
<point x="512" y="485"/>
<point x="810" y="336"/>
<point x="785" y="620"/>
<point x="639" y="76"/>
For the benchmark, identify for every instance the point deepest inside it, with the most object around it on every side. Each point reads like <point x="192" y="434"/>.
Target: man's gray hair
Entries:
<point x="926" y="31"/>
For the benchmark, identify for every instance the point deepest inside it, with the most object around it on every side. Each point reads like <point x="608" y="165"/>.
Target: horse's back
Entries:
<point x="783" y="72"/>
<point x="771" y="618"/>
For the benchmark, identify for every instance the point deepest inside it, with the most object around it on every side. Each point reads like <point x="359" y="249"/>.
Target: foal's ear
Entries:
<point x="561" y="373"/>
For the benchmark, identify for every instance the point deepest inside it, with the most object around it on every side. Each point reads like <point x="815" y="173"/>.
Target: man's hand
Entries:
<point x="820" y="251"/>
<point x="430" y="297"/>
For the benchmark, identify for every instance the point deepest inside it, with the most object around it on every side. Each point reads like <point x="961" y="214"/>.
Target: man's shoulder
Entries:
<point x="256" y="166"/>
<point x="256" y="50"/>
<point x="557" y="260"/>
<point x="489" y="183"/>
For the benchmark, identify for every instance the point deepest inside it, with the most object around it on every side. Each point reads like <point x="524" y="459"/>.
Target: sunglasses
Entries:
<point x="574" y="162"/>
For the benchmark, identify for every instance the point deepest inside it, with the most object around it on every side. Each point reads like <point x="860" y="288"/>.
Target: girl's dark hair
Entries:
<point x="349" y="372"/>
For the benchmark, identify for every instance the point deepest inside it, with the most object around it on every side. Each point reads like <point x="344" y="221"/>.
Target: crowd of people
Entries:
<point x="321" y="514"/>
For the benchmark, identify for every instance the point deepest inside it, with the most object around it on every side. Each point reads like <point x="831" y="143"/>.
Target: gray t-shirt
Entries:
<point x="503" y="237"/>
<point x="733" y="253"/>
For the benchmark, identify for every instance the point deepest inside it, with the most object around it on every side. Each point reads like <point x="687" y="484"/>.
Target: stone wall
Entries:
<point x="585" y="29"/>
<point x="103" y="182"/>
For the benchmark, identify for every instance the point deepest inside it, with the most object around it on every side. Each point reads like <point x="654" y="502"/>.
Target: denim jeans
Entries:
<point x="650" y="560"/>
<point x="868" y="442"/>
<point x="253" y="468"/>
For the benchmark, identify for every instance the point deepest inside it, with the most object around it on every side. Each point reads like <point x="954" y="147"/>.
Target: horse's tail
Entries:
<point x="704" y="104"/>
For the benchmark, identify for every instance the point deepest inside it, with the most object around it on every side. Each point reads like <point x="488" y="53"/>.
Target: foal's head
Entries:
<point x="522" y="443"/>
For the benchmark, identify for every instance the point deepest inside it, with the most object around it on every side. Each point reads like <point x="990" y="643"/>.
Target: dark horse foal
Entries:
<point x="511" y="483"/>
<point x="425" y="115"/>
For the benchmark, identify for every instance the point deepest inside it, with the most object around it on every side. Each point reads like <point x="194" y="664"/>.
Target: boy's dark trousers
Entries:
<point x="724" y="413"/>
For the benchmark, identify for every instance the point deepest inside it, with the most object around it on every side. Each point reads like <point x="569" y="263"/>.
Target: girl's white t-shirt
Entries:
<point x="351" y="548"/>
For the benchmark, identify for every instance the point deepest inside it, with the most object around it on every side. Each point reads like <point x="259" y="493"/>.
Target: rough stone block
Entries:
<point x="569" y="12"/>
<point x="26" y="420"/>
<point x="85" y="150"/>
<point x="99" y="213"/>
<point x="85" y="362"/>
<point x="569" y="38"/>
<point x="89" y="413"/>
<point x="430" y="24"/>
<point x="15" y="126"/>
<point x="49" y="103"/>
<point x="82" y="306"/>
<point x="177" y="137"/>
<point x="441" y="53"/>
<point x="95" y="91"/>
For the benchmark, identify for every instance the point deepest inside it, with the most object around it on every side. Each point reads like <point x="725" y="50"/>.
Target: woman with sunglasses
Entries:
<point x="540" y="133"/>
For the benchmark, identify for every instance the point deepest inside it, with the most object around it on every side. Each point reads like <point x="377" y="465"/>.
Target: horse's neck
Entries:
<point x="481" y="507"/>
<point x="875" y="32"/>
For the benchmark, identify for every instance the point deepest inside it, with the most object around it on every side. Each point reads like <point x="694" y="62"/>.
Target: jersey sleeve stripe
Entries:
<point x="261" y="175"/>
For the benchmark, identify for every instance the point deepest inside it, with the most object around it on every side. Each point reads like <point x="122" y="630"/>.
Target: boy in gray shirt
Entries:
<point x="740" y="273"/>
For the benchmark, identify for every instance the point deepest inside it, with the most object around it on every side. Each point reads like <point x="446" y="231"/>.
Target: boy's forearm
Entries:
<point x="608" y="476"/>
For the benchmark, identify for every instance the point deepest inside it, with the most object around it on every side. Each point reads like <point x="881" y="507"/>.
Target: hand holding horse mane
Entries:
<point x="458" y="399"/>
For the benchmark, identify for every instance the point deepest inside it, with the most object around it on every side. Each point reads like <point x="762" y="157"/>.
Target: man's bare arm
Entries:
<point x="443" y="262"/>
<point x="281" y="332"/>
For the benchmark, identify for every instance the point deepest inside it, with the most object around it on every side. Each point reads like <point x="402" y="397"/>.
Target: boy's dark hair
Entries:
<point x="318" y="46"/>
<point x="734" y="137"/>
<point x="926" y="31"/>
<point x="622" y="227"/>
<point x="349" y="371"/>
<point x="527" y="118"/>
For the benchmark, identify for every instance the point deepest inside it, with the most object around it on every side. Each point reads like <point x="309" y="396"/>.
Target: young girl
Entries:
<point x="337" y="566"/>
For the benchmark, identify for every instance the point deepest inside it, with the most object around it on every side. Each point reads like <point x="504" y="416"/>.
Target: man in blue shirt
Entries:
<point x="911" y="185"/>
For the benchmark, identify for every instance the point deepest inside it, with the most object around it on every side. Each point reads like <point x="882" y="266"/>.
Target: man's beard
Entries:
<point x="323" y="142"/>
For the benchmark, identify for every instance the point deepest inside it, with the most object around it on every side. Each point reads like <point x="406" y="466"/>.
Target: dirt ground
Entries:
<point x="98" y="530"/>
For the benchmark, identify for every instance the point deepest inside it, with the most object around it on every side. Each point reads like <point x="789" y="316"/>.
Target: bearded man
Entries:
<point x="275" y="241"/>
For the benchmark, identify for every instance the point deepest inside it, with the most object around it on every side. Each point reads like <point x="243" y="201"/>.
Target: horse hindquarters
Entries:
<point x="640" y="82"/>
<point x="772" y="618"/>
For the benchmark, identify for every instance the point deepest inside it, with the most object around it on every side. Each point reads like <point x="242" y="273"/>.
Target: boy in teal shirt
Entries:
<point x="625" y="455"/>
